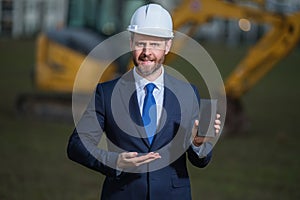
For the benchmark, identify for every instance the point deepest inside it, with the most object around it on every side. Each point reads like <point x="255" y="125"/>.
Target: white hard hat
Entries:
<point x="153" y="20"/>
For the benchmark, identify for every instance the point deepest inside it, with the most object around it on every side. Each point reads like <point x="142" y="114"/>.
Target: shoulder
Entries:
<point x="123" y="80"/>
<point x="122" y="83"/>
<point x="108" y="84"/>
<point x="181" y="88"/>
<point x="178" y="83"/>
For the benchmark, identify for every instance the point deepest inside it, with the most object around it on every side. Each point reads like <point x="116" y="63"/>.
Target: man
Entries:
<point x="149" y="118"/>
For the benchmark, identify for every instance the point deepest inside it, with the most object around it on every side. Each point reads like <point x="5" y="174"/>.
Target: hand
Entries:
<point x="198" y="140"/>
<point x="217" y="124"/>
<point x="131" y="159"/>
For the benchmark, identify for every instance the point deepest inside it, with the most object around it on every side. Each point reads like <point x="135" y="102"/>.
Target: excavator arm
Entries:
<point x="261" y="58"/>
<point x="281" y="38"/>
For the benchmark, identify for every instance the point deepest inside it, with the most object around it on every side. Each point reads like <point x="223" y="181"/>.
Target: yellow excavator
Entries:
<point x="281" y="38"/>
<point x="60" y="52"/>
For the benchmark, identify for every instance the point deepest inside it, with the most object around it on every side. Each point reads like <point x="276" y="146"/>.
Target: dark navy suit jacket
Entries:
<point x="114" y="111"/>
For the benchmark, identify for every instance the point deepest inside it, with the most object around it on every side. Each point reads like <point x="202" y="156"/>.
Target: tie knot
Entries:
<point x="150" y="87"/>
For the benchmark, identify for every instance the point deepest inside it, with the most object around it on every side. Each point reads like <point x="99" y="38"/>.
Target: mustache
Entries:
<point x="144" y="57"/>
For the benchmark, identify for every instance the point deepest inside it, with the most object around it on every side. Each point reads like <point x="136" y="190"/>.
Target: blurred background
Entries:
<point x="255" y="45"/>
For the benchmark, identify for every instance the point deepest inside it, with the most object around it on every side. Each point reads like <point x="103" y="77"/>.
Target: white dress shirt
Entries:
<point x="158" y="94"/>
<point x="158" y="91"/>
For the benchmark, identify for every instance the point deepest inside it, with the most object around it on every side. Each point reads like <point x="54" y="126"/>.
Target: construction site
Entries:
<point x="254" y="44"/>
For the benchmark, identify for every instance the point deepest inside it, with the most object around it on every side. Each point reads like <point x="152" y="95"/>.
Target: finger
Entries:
<point x="145" y="159"/>
<point x="218" y="116"/>
<point x="196" y="124"/>
<point x="147" y="156"/>
<point x="128" y="155"/>
<point x="217" y="128"/>
<point x="124" y="159"/>
<point x="218" y="122"/>
<point x="130" y="159"/>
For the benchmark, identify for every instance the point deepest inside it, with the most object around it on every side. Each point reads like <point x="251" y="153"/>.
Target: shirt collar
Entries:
<point x="141" y="82"/>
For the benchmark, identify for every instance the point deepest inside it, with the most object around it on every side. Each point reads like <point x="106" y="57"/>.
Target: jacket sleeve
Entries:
<point x="196" y="160"/>
<point x="83" y="143"/>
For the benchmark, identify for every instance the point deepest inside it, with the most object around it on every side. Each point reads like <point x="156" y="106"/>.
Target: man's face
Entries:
<point x="149" y="53"/>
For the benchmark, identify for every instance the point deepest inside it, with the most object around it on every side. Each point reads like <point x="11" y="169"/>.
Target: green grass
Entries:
<point x="262" y="164"/>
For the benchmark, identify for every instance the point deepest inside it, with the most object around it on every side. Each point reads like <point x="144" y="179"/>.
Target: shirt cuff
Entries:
<point x="202" y="150"/>
<point x="118" y="171"/>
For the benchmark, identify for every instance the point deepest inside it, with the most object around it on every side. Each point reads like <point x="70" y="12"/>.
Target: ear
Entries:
<point x="168" y="46"/>
<point x="131" y="41"/>
<point x="131" y="44"/>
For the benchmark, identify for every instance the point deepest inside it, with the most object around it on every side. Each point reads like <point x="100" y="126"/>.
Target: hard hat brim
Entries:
<point x="156" y="32"/>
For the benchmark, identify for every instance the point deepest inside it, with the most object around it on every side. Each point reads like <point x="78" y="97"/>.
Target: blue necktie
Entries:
<point x="149" y="112"/>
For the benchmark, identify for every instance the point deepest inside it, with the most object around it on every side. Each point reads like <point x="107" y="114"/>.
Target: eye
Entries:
<point x="155" y="44"/>
<point x="140" y="44"/>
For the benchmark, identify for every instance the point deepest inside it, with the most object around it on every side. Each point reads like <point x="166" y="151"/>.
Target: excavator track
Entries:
<point x="47" y="107"/>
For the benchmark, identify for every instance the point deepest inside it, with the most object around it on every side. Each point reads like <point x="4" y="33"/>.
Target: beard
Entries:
<point x="147" y="69"/>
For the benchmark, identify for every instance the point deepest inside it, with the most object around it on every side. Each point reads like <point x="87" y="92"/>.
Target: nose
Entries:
<point x="147" y="50"/>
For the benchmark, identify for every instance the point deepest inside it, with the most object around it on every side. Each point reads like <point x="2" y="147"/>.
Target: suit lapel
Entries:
<point x="128" y="97"/>
<point x="171" y="111"/>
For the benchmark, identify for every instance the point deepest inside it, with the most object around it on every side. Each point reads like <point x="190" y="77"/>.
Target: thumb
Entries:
<point x="195" y="129"/>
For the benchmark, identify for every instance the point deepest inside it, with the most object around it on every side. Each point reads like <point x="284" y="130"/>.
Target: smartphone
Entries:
<point x="207" y="116"/>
